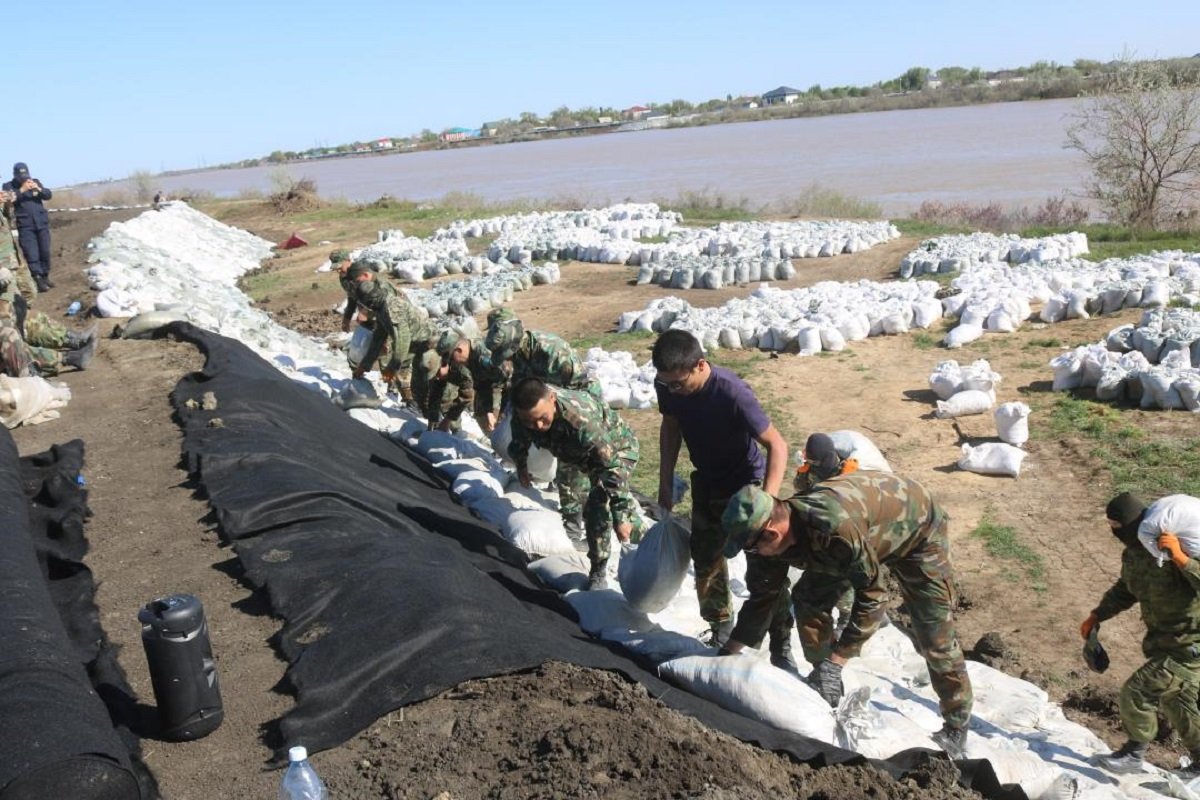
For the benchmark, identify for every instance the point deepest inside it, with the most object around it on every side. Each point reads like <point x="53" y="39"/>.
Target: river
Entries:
<point x="1011" y="153"/>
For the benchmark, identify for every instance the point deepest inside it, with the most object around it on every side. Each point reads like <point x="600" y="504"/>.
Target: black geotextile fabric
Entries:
<point x="57" y="669"/>
<point x="390" y="592"/>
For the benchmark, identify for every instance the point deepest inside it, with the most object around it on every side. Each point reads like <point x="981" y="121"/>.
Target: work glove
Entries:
<point x="387" y="375"/>
<point x="1170" y="542"/>
<point x="1085" y="630"/>
<point x="826" y="678"/>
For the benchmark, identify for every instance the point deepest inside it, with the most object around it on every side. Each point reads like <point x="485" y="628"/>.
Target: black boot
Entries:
<point x="719" y="632"/>
<point x="598" y="577"/>
<point x="1128" y="760"/>
<point x="781" y="654"/>
<point x="80" y="357"/>
<point x="952" y="740"/>
<point x="78" y="339"/>
<point x="43" y="283"/>
<point x="46" y="279"/>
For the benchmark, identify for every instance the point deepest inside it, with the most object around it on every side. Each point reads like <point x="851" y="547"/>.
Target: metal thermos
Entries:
<point x="175" y="636"/>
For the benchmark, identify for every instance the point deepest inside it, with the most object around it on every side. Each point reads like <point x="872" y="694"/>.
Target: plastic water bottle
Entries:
<point x="73" y="309"/>
<point x="300" y="782"/>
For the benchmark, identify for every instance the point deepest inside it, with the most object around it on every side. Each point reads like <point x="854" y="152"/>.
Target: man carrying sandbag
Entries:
<point x="849" y="529"/>
<point x="463" y="379"/>
<point x="400" y="325"/>
<point x="1169" y="594"/>
<point x="717" y="415"/>
<point x="583" y="432"/>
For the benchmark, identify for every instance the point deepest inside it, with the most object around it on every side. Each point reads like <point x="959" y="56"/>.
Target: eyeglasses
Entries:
<point x="675" y="386"/>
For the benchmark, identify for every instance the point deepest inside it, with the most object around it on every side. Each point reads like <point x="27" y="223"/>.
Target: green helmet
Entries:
<point x="339" y="255"/>
<point x="447" y="342"/>
<point x="504" y="337"/>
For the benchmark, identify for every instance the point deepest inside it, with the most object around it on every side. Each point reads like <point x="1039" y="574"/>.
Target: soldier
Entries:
<point x="340" y="261"/>
<point x="584" y="432"/>
<point x="848" y="529"/>
<point x="47" y="349"/>
<point x="464" y="378"/>
<point x="397" y="323"/>
<point x="1169" y="681"/>
<point x="9" y="257"/>
<point x="537" y="354"/>
<point x="717" y="415"/>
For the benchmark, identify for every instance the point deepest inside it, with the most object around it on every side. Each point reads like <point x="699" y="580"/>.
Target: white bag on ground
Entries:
<point x="29" y="401"/>
<point x="1012" y="423"/>
<point x="1177" y="513"/>
<point x="563" y="572"/>
<point x="963" y="404"/>
<point x="852" y="444"/>
<point x="537" y="532"/>
<point x="992" y="458"/>
<point x="752" y="687"/>
<point x="651" y="572"/>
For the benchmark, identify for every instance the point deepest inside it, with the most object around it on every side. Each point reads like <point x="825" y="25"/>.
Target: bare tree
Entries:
<point x="1140" y="135"/>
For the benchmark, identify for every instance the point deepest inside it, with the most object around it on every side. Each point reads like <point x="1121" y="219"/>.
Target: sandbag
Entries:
<point x="563" y="573"/>
<point x="962" y="334"/>
<point x="356" y="349"/>
<point x="651" y="572"/>
<point x="543" y="466"/>
<point x="852" y="444"/>
<point x="145" y="326"/>
<point x="752" y="687"/>
<point x="963" y="404"/>
<point x="1177" y="513"/>
<point x="992" y="458"/>
<point x="358" y="393"/>
<point x="1012" y="423"/>
<point x="472" y="486"/>
<point x="537" y="532"/>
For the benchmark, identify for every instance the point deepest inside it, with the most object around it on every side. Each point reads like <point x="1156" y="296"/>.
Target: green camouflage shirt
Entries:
<point x="1170" y="599"/>
<point x="586" y="434"/>
<point x="396" y="320"/>
<point x="872" y="519"/>
<point x="551" y="358"/>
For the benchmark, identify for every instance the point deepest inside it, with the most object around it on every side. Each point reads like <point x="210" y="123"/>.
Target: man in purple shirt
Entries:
<point x="717" y="415"/>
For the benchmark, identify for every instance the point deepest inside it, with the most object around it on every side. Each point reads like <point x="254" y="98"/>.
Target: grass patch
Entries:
<point x="261" y="284"/>
<point x="1002" y="542"/>
<point x="923" y="340"/>
<point x="928" y="230"/>
<point x="637" y="342"/>
<point x="1030" y="365"/>
<point x="1046" y="342"/>
<point x="1150" y="464"/>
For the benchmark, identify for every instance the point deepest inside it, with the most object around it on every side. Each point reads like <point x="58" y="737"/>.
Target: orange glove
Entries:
<point x="1085" y="630"/>
<point x="1170" y="542"/>
<point x="387" y="375"/>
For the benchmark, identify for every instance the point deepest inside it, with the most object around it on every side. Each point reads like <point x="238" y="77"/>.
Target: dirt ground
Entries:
<point x="563" y="731"/>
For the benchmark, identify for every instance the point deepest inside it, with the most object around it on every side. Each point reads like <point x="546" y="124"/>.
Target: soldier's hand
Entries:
<point x="387" y="375"/>
<point x="623" y="531"/>
<point x="524" y="477"/>
<point x="666" y="498"/>
<point x="357" y="374"/>
<point x="1085" y="629"/>
<point x="345" y="326"/>
<point x="489" y="423"/>
<point x="1170" y="542"/>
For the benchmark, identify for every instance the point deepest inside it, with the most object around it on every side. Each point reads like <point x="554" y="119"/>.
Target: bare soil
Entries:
<point x="563" y="731"/>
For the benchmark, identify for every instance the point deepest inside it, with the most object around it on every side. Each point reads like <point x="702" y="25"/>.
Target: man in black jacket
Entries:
<point x="32" y="222"/>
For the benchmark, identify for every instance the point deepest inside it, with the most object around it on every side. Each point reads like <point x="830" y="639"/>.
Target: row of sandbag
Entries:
<point x="702" y="272"/>
<point x="958" y="252"/>
<point x="970" y="390"/>
<point x="623" y="382"/>
<point x="480" y="293"/>
<point x="808" y="320"/>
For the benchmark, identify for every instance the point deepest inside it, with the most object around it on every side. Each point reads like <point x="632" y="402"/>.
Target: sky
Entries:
<point x="109" y="87"/>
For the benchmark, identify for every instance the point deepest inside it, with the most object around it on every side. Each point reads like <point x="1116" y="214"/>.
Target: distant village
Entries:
<point x="918" y="87"/>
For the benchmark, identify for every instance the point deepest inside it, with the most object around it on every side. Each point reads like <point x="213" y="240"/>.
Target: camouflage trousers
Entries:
<point x="20" y="360"/>
<point x="708" y="558"/>
<point x="601" y="514"/>
<point x="927" y="585"/>
<point x="41" y="331"/>
<point x="1168" y="685"/>
<point x="769" y="609"/>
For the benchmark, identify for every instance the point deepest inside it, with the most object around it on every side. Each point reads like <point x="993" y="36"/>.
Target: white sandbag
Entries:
<point x="1054" y="310"/>
<point x="946" y="379"/>
<point x="651" y="572"/>
<point x="114" y="302"/>
<point x="1189" y="392"/>
<point x="1158" y="390"/>
<point x="563" y="573"/>
<point x="752" y="687"/>
<point x="358" y="393"/>
<point x="1068" y="371"/>
<point x="1177" y="513"/>
<point x="472" y="486"/>
<point x="30" y="401"/>
<point x="992" y="458"/>
<point x="962" y="334"/>
<point x="809" y="340"/>
<point x="542" y="464"/>
<point x="926" y="312"/>
<point x="1012" y="423"/>
<point x="852" y="444"/>
<point x="979" y="375"/>
<point x="1001" y="320"/>
<point x="537" y="532"/>
<point x="437" y="446"/>
<point x="1156" y="293"/>
<point x="964" y="404"/>
<point x="360" y="340"/>
<point x="832" y="339"/>
<point x="896" y="322"/>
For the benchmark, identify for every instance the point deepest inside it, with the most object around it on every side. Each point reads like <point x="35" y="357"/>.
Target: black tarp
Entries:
<point x="57" y="738"/>
<point x="390" y="592"/>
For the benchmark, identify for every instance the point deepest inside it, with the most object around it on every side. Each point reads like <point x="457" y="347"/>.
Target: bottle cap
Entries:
<point x="297" y="753"/>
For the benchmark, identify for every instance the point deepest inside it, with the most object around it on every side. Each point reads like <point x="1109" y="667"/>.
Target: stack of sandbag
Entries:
<point x="958" y="252"/>
<point x="963" y="391"/>
<point x="623" y="382"/>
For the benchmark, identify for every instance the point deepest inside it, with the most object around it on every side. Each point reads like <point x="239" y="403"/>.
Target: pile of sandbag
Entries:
<point x="411" y="259"/>
<point x="478" y="294"/>
<point x="824" y="316"/>
<point x="971" y="390"/>
<point x="958" y="252"/>
<point x="1155" y="363"/>
<point x="624" y="383"/>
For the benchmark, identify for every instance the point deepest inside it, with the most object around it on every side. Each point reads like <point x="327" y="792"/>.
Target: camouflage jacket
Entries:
<point x="451" y="407"/>
<point x="587" y="434"/>
<point x="872" y="519"/>
<point x="551" y="358"/>
<point x="395" y="316"/>
<point x="489" y="378"/>
<point x="1170" y="599"/>
<point x="351" y="299"/>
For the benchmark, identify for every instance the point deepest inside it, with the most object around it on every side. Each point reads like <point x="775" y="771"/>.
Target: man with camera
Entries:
<point x="32" y="222"/>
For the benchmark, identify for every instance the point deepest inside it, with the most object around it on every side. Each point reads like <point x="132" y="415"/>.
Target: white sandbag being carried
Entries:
<point x="651" y="572"/>
<point x="752" y="687"/>
<point x="1178" y="514"/>
<point x="1012" y="423"/>
<point x="356" y="349"/>
<point x="992" y="458"/>
<point x="852" y="444"/>
<point x="543" y="466"/>
<point x="964" y="404"/>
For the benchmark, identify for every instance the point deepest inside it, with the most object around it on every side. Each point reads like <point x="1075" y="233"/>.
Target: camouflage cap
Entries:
<point x="745" y="515"/>
<point x="504" y="336"/>
<point x="339" y="255"/>
<point x="447" y="341"/>
<point x="498" y="315"/>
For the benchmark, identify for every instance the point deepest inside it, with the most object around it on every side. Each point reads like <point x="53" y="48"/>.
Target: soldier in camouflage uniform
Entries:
<point x="1169" y="681"/>
<point x="41" y="351"/>
<point x="537" y="354"/>
<point x="584" y="432"/>
<point x="464" y="379"/>
<point x="340" y="261"/>
<point x="399" y="324"/>
<point x="846" y="530"/>
<point x="11" y="259"/>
